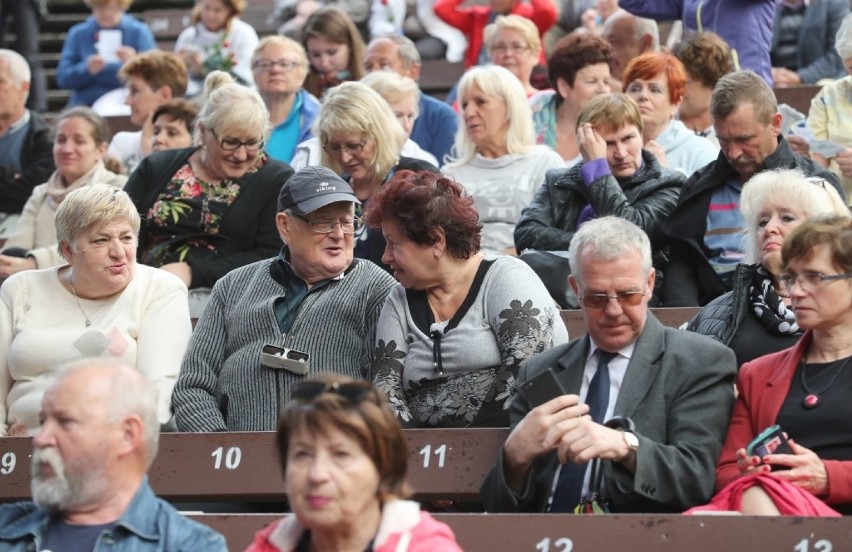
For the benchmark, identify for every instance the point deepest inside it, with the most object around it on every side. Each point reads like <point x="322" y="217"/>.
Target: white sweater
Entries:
<point x="42" y="327"/>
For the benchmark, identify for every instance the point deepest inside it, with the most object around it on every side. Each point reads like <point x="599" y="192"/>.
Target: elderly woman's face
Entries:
<point x="509" y="49"/>
<point x="411" y="262"/>
<point x="822" y="305"/>
<point x="331" y="483"/>
<point x="103" y="257"/>
<point x="485" y="118"/>
<point x="779" y="217"/>
<point x="231" y="153"/>
<point x="406" y="113"/>
<point x="315" y="256"/>
<point x="279" y="70"/>
<point x="354" y="152"/>
<point x="652" y="96"/>
<point x="590" y="81"/>
<point x="74" y="149"/>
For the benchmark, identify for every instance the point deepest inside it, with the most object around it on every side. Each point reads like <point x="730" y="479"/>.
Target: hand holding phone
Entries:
<point x="770" y="441"/>
<point x="541" y="388"/>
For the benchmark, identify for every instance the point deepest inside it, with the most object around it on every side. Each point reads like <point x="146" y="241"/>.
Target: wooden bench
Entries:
<point x="637" y="533"/>
<point x="229" y="467"/>
<point x="798" y="97"/>
<point x="167" y="24"/>
<point x="668" y="316"/>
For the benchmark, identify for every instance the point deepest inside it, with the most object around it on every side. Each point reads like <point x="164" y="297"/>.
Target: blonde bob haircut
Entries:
<point x="393" y="87"/>
<point x="229" y="106"/>
<point x="787" y="188"/>
<point x="95" y="204"/>
<point x="497" y="82"/>
<point x="283" y="42"/>
<point x="513" y="22"/>
<point x="610" y="113"/>
<point x="355" y="107"/>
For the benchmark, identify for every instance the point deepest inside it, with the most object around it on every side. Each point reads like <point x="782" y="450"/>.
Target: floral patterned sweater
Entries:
<point x="461" y="372"/>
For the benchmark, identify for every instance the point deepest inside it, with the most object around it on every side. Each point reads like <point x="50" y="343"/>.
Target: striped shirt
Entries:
<point x="724" y="238"/>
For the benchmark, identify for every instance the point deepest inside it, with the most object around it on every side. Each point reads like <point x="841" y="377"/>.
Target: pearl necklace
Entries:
<point x="77" y="299"/>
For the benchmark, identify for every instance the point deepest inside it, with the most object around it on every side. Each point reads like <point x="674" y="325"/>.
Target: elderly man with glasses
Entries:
<point x="314" y="308"/>
<point x="675" y="389"/>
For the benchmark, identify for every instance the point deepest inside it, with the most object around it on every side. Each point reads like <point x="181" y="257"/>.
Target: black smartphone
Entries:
<point x="770" y="441"/>
<point x="541" y="388"/>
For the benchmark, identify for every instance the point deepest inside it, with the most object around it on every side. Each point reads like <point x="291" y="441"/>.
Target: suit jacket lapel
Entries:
<point x="643" y="368"/>
<point x="572" y="364"/>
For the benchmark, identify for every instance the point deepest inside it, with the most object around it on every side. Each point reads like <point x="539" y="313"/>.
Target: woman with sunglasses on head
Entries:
<point x="344" y="459"/>
<point x="362" y="140"/>
<point x="210" y="208"/>
<point x="453" y="333"/>
<point x="756" y="317"/>
<point x="804" y="390"/>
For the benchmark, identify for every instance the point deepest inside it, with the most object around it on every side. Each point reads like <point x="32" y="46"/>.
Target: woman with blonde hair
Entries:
<point x="335" y="50"/>
<point x="757" y="316"/>
<point x="496" y="158"/>
<point x="210" y="208"/>
<point x="217" y="40"/>
<point x="362" y="140"/>
<point x="514" y="43"/>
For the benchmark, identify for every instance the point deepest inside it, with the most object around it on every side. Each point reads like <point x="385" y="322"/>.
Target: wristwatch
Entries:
<point x="632" y="446"/>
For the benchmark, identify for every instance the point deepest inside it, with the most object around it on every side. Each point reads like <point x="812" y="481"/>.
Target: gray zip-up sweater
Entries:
<point x="222" y="384"/>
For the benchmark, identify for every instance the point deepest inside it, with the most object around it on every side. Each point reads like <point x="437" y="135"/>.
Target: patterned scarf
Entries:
<point x="768" y="307"/>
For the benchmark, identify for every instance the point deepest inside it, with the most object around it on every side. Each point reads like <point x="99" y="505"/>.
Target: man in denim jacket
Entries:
<point x="98" y="438"/>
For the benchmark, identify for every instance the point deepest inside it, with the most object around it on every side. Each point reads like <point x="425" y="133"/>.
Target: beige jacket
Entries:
<point x="36" y="230"/>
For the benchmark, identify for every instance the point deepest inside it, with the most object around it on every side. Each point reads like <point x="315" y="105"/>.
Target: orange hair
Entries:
<point x="647" y="66"/>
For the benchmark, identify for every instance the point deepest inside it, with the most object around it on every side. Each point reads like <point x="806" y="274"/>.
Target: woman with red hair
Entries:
<point x="657" y="82"/>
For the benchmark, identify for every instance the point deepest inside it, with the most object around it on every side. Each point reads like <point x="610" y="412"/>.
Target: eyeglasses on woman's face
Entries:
<point x="351" y="148"/>
<point x="502" y="48"/>
<point x="325" y="226"/>
<point x="267" y="64"/>
<point x="229" y="143"/>
<point x="810" y="281"/>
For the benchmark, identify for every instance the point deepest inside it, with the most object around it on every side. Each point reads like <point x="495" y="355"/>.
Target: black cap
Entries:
<point x="312" y="188"/>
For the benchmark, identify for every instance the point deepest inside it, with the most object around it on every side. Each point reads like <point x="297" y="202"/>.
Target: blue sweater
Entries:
<point x="435" y="127"/>
<point x="80" y="44"/>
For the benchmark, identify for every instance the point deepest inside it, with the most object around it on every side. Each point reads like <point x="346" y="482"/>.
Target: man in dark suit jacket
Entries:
<point x="676" y="387"/>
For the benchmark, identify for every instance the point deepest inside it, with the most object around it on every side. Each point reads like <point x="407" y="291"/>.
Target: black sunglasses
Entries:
<point x="354" y="392"/>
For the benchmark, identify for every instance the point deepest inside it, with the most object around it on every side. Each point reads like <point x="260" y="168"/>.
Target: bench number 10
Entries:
<point x="232" y="458"/>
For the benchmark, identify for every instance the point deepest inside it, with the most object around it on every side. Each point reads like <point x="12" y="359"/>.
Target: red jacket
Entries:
<point x="403" y="528"/>
<point x="472" y="21"/>
<point x="763" y="385"/>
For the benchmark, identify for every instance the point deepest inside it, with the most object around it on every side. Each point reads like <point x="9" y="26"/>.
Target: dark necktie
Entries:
<point x="570" y="485"/>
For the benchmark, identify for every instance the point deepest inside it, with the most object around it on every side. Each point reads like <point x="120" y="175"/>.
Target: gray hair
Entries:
<point x="93" y="204"/>
<point x="814" y="195"/>
<point x="393" y="87"/>
<point x="408" y="53"/>
<point x="229" y="106"/>
<point x="843" y="39"/>
<point x="284" y="42"/>
<point x="131" y="393"/>
<point x="735" y="89"/>
<point x="19" y="69"/>
<point x="609" y="238"/>
<point x="645" y="26"/>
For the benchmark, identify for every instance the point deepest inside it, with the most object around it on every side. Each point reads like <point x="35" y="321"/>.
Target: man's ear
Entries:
<point x="572" y="281"/>
<point x="652" y="277"/>
<point x="282" y="223"/>
<point x="775" y="123"/>
<point x="414" y="72"/>
<point x="131" y="435"/>
<point x="646" y="41"/>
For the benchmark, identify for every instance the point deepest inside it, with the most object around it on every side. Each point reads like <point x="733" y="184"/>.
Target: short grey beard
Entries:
<point x="61" y="493"/>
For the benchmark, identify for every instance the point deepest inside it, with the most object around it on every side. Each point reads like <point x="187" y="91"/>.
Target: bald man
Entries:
<point x="98" y="438"/>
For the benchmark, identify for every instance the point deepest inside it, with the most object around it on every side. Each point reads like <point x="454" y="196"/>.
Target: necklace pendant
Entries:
<point x="811" y="401"/>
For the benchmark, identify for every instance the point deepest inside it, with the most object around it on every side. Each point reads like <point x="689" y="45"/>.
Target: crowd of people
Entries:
<point x="360" y="257"/>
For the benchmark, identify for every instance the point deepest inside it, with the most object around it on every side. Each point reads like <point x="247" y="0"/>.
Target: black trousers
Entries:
<point x="24" y="16"/>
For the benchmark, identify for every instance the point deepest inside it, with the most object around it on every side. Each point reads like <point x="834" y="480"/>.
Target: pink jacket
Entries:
<point x="403" y="528"/>
<point x="763" y="385"/>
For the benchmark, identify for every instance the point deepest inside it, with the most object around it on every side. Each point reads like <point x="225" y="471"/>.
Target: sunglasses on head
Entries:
<point x="354" y="392"/>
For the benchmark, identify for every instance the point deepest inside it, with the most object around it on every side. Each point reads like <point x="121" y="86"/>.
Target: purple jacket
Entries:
<point x="746" y="25"/>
